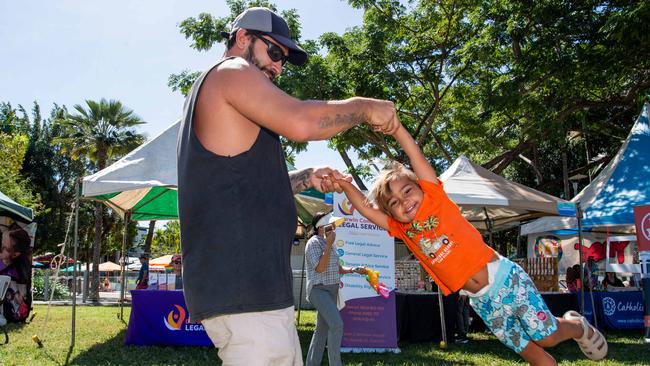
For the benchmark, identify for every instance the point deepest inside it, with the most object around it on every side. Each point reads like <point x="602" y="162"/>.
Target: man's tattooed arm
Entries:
<point x="347" y="120"/>
<point x="300" y="179"/>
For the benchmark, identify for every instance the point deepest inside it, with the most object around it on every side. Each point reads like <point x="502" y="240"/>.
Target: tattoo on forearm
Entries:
<point x="348" y="120"/>
<point x="300" y="180"/>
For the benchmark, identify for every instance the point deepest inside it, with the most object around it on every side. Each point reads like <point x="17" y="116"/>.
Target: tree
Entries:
<point x="167" y="240"/>
<point x="99" y="133"/>
<point x="14" y="142"/>
<point x="12" y="183"/>
<point x="518" y="87"/>
<point x="148" y="239"/>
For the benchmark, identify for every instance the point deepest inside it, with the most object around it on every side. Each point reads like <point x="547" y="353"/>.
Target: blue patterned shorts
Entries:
<point x="513" y="309"/>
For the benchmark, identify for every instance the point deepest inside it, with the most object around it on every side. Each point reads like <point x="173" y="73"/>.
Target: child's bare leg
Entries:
<point x="536" y="356"/>
<point x="566" y="329"/>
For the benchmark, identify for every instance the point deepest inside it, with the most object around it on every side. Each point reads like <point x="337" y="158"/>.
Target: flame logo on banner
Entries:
<point x="175" y="319"/>
<point x="346" y="207"/>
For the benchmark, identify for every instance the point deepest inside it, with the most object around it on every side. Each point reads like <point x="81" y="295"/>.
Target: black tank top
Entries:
<point x="238" y="219"/>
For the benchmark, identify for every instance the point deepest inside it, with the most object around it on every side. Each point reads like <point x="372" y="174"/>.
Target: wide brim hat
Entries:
<point x="329" y="219"/>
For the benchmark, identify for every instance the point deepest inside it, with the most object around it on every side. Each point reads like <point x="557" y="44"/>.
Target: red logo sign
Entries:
<point x="642" y="223"/>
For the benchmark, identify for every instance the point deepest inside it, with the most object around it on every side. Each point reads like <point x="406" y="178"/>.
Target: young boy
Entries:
<point x="414" y="207"/>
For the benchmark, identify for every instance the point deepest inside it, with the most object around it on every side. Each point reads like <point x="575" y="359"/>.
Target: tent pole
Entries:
<point x="443" y="328"/>
<point x="302" y="277"/>
<point x="74" y="263"/>
<point x="582" y="272"/>
<point x="489" y="226"/>
<point x="127" y="218"/>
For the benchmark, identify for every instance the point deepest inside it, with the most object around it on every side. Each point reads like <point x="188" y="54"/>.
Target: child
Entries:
<point x="415" y="208"/>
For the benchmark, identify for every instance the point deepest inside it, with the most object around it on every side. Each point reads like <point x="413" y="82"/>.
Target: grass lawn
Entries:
<point x="100" y="338"/>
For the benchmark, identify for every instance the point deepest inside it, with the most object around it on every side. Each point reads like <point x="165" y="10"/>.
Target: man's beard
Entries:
<point x="250" y="57"/>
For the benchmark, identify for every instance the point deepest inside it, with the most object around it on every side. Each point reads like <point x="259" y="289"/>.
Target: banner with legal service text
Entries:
<point x="369" y="319"/>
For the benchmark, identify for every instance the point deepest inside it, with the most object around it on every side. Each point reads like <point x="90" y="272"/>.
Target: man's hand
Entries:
<point x="383" y="117"/>
<point x="324" y="179"/>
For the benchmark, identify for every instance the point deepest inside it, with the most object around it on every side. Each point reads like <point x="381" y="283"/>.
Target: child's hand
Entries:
<point x="360" y="270"/>
<point x="383" y="117"/>
<point x="325" y="179"/>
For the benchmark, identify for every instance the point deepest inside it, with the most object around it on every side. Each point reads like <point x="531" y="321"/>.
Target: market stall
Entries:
<point x="608" y="204"/>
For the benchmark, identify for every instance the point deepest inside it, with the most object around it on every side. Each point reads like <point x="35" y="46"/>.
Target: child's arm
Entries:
<point x="358" y="200"/>
<point x="421" y="166"/>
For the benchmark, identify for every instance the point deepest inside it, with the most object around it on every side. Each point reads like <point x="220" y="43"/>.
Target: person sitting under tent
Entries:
<point x="106" y="285"/>
<point x="611" y="280"/>
<point x="572" y="281"/>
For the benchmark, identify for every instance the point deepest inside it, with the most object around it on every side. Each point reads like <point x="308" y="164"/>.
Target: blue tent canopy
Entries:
<point x="609" y="200"/>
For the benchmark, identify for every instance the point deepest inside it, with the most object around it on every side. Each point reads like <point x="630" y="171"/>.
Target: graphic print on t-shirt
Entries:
<point x="435" y="247"/>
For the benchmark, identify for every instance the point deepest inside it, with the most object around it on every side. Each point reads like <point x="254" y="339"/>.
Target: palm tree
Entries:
<point x="100" y="133"/>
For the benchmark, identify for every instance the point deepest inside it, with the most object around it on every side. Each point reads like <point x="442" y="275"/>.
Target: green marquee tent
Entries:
<point x="143" y="183"/>
<point x="9" y="207"/>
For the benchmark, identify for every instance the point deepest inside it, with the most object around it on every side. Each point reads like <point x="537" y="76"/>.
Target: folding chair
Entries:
<point x="4" y="285"/>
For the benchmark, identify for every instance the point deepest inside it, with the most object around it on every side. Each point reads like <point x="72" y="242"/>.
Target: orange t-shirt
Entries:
<point x="449" y="248"/>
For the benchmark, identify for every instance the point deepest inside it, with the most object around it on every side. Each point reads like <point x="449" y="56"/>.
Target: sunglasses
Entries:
<point x="274" y="51"/>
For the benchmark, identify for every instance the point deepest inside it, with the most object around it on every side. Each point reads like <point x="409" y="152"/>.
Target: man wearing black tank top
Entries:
<point x="235" y="195"/>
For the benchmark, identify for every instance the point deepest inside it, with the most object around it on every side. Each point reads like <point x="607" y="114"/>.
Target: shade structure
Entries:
<point x="108" y="267"/>
<point x="164" y="260"/>
<point x="144" y="183"/>
<point x="9" y="207"/>
<point x="103" y="267"/>
<point x="608" y="201"/>
<point x="487" y="199"/>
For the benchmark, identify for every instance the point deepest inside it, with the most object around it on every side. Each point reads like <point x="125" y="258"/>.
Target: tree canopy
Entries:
<point x="535" y="91"/>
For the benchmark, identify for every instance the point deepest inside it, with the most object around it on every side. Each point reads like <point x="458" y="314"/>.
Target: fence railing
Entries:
<point x="543" y="272"/>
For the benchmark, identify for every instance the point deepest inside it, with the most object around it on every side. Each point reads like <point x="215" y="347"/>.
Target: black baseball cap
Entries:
<point x="266" y="21"/>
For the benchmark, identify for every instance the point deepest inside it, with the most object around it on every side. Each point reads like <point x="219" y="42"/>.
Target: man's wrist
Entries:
<point x="301" y="180"/>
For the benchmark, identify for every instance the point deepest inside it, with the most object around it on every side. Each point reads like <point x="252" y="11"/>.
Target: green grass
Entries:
<point x="100" y="341"/>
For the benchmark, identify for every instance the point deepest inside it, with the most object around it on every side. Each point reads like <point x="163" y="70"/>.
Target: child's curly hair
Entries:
<point x="380" y="191"/>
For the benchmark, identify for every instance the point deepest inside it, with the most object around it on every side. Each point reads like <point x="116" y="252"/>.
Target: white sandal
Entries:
<point x="595" y="348"/>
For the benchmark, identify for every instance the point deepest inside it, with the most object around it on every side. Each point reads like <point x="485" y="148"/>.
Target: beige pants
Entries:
<point x="259" y="338"/>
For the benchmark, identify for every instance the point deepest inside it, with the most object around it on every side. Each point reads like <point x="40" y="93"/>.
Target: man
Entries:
<point x="235" y="196"/>
<point x="142" y="282"/>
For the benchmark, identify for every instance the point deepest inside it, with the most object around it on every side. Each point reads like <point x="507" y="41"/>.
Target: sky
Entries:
<point x="69" y="51"/>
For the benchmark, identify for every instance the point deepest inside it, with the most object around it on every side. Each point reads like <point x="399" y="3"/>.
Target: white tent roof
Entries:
<point x="608" y="201"/>
<point x="482" y="194"/>
<point x="144" y="182"/>
<point x="151" y="164"/>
